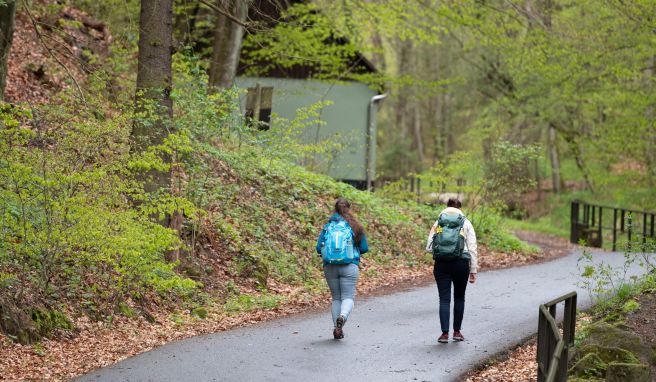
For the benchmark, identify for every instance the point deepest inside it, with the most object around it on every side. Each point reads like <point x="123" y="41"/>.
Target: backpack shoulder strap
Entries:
<point x="439" y="220"/>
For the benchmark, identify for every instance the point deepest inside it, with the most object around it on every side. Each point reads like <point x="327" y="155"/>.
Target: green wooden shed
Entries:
<point x="350" y="119"/>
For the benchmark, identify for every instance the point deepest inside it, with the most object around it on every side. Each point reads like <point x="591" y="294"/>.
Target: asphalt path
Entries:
<point x="388" y="338"/>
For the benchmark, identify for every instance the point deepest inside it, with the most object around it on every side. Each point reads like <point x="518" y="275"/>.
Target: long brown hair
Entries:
<point x="343" y="208"/>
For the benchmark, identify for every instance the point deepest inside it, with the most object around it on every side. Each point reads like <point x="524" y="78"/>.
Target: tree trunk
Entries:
<point x="154" y="80"/>
<point x="554" y="158"/>
<point x="154" y="76"/>
<point x="419" y="143"/>
<point x="7" y="15"/>
<point x="402" y="109"/>
<point x="447" y="139"/>
<point x="575" y="146"/>
<point x="378" y="56"/>
<point x="228" y="36"/>
<point x="650" y="154"/>
<point x="534" y="16"/>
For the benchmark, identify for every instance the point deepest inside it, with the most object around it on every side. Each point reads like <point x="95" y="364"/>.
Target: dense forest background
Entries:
<point x="567" y="84"/>
<point x="132" y="185"/>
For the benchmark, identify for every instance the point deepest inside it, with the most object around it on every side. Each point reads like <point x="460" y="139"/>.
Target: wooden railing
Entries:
<point x="553" y="348"/>
<point x="589" y="222"/>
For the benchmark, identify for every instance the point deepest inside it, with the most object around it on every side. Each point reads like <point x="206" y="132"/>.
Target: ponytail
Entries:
<point x="343" y="208"/>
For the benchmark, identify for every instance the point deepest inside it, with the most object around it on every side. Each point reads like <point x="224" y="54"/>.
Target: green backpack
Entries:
<point x="448" y="243"/>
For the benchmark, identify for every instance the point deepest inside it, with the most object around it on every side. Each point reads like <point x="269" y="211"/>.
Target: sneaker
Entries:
<point x="444" y="338"/>
<point x="338" y="333"/>
<point x="457" y="336"/>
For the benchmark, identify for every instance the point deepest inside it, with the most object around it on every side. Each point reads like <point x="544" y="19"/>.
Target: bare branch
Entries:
<point x="52" y="54"/>
<point x="224" y="13"/>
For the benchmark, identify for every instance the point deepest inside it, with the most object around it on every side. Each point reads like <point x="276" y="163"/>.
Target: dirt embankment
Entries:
<point x="99" y="344"/>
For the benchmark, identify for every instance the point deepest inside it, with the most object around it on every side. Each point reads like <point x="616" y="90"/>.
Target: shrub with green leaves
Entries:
<point x="69" y="229"/>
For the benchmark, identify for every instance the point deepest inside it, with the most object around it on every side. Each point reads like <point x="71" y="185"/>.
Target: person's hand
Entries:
<point x="472" y="278"/>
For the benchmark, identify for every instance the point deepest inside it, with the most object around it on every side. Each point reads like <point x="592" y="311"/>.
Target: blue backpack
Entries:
<point x="338" y="245"/>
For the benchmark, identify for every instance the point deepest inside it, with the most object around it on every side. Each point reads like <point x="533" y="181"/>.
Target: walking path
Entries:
<point x="388" y="338"/>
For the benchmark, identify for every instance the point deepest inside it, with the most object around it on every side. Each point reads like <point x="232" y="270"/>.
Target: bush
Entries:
<point x="69" y="229"/>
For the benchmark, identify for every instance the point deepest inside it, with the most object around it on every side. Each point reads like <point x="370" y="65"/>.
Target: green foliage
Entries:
<point x="507" y="175"/>
<point x="247" y="302"/>
<point x="122" y="16"/>
<point x="604" y="281"/>
<point x="630" y="306"/>
<point x="177" y="319"/>
<point x="611" y="288"/>
<point x="503" y="241"/>
<point x="545" y="224"/>
<point x="125" y="310"/>
<point x="67" y="224"/>
<point x="265" y="210"/>
<point x="199" y="312"/>
<point x="484" y="190"/>
<point x="48" y="321"/>
<point x="307" y="37"/>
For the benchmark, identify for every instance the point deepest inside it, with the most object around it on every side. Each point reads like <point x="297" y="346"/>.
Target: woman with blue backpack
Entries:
<point x="340" y="244"/>
<point x="452" y="241"/>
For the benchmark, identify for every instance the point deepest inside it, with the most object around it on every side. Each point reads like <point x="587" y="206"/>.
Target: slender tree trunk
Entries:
<point x="554" y="158"/>
<point x="448" y="140"/>
<point x="575" y="146"/>
<point x="403" y="107"/>
<point x="228" y="36"/>
<point x="534" y="17"/>
<point x="538" y="178"/>
<point x="154" y="80"/>
<point x="378" y="56"/>
<point x="419" y="143"/>
<point x="650" y="154"/>
<point x="434" y="116"/>
<point x="7" y="15"/>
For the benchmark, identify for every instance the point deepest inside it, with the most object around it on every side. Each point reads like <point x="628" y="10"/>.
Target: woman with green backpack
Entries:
<point x="452" y="240"/>
<point x="340" y="244"/>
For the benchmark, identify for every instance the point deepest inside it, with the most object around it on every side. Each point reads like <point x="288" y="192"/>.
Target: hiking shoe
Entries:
<point x="338" y="333"/>
<point x="457" y="336"/>
<point x="444" y="338"/>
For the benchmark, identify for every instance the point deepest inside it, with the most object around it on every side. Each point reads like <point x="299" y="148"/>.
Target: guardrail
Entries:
<point x="588" y="222"/>
<point x="553" y="348"/>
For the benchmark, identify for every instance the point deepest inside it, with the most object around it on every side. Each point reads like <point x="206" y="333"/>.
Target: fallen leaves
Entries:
<point x="33" y="74"/>
<point x="520" y="366"/>
<point x="101" y="344"/>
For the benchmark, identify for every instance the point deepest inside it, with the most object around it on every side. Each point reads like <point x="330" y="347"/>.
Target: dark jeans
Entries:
<point x="447" y="273"/>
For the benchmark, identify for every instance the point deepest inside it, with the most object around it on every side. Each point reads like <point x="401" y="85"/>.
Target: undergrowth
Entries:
<point x="79" y="230"/>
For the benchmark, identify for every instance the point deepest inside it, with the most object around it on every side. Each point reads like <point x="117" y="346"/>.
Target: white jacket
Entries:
<point x="470" y="238"/>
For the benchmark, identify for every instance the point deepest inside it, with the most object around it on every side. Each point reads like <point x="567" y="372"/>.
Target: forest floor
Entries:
<point x="98" y="344"/>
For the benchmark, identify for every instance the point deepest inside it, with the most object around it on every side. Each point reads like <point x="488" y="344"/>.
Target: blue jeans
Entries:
<point x="341" y="279"/>
<point x="447" y="273"/>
